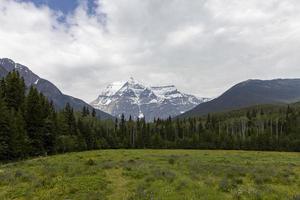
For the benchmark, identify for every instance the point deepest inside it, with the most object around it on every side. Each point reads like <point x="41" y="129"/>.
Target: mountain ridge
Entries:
<point x="133" y="98"/>
<point x="46" y="87"/>
<point x="248" y="93"/>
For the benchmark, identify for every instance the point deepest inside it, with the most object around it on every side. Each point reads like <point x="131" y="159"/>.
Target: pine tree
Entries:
<point x="34" y="122"/>
<point x="50" y="129"/>
<point x="94" y="114"/>
<point x="85" y="111"/>
<point x="14" y="90"/>
<point x="4" y="131"/>
<point x="123" y="134"/>
<point x="18" y="140"/>
<point x="70" y="119"/>
<point x="2" y="88"/>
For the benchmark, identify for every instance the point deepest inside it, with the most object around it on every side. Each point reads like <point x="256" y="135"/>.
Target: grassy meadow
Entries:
<point x="154" y="175"/>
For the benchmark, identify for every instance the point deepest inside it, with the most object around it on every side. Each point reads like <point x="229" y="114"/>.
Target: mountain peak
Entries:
<point x="135" y="99"/>
<point x="7" y="60"/>
<point x="133" y="81"/>
<point x="112" y="88"/>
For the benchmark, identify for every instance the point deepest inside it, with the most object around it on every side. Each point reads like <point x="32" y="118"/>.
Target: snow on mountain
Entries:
<point x="112" y="88"/>
<point x="135" y="99"/>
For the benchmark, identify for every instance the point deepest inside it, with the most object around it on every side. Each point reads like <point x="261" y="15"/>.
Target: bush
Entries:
<point x="23" y="176"/>
<point x="18" y="174"/>
<point x="108" y="165"/>
<point x="261" y="179"/>
<point x="164" y="174"/>
<point x="131" y="161"/>
<point x="237" y="181"/>
<point x="226" y="185"/>
<point x="181" y="185"/>
<point x="90" y="162"/>
<point x="171" y="161"/>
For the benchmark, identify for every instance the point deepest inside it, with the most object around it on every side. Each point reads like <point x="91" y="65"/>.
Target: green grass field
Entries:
<point x="154" y="174"/>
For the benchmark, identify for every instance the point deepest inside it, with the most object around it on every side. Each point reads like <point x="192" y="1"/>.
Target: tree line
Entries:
<point x="31" y="126"/>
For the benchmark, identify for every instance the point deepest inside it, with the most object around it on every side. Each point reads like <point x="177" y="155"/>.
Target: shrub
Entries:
<point x="226" y="185"/>
<point x="164" y="174"/>
<point x="108" y="165"/>
<point x="23" y="176"/>
<point x="90" y="162"/>
<point x="171" y="161"/>
<point x="131" y="161"/>
<point x="18" y="174"/>
<point x="181" y="185"/>
<point x="261" y="179"/>
<point x="237" y="181"/>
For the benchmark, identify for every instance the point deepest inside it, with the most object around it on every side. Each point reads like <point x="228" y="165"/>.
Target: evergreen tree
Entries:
<point x="14" y="90"/>
<point x="4" y="131"/>
<point x="18" y="139"/>
<point x="34" y="122"/>
<point x="85" y="111"/>
<point x="2" y="89"/>
<point x="94" y="114"/>
<point x="70" y="119"/>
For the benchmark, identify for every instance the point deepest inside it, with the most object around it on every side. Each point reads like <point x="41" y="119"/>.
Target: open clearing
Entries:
<point x="154" y="174"/>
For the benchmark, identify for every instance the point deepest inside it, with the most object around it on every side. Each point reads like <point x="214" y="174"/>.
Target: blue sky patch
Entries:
<point x="66" y="6"/>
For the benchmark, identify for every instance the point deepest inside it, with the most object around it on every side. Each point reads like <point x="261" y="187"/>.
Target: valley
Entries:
<point x="149" y="100"/>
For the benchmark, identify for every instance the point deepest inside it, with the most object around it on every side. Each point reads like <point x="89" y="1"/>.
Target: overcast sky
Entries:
<point x="201" y="46"/>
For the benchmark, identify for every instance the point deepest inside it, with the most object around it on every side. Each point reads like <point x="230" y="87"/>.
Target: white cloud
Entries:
<point x="184" y="35"/>
<point x="202" y="46"/>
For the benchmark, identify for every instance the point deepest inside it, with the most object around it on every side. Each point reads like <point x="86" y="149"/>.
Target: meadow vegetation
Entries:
<point x="154" y="174"/>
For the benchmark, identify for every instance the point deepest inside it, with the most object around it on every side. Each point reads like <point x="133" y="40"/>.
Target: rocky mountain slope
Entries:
<point x="46" y="87"/>
<point x="135" y="99"/>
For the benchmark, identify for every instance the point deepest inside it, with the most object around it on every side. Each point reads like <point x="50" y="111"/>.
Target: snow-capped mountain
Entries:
<point x="135" y="99"/>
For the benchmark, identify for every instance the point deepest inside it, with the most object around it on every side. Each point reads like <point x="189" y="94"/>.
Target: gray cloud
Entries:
<point x="201" y="46"/>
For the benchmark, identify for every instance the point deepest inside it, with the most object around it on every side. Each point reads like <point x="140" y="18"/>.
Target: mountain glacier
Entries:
<point x="132" y="98"/>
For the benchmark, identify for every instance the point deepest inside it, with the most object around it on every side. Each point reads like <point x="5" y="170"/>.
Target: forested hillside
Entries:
<point x="49" y="90"/>
<point x="30" y="126"/>
<point x="250" y="93"/>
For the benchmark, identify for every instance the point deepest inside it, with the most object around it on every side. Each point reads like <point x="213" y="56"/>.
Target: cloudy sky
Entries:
<point x="201" y="46"/>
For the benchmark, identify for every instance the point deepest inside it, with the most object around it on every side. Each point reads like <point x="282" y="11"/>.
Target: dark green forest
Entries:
<point x="31" y="126"/>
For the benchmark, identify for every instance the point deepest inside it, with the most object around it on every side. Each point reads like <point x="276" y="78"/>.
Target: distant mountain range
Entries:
<point x="135" y="99"/>
<point x="251" y="92"/>
<point x="46" y="87"/>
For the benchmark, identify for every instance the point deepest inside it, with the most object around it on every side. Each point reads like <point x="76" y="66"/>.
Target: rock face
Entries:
<point x="135" y="99"/>
<point x="3" y="71"/>
<point x="46" y="87"/>
<point x="251" y="92"/>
